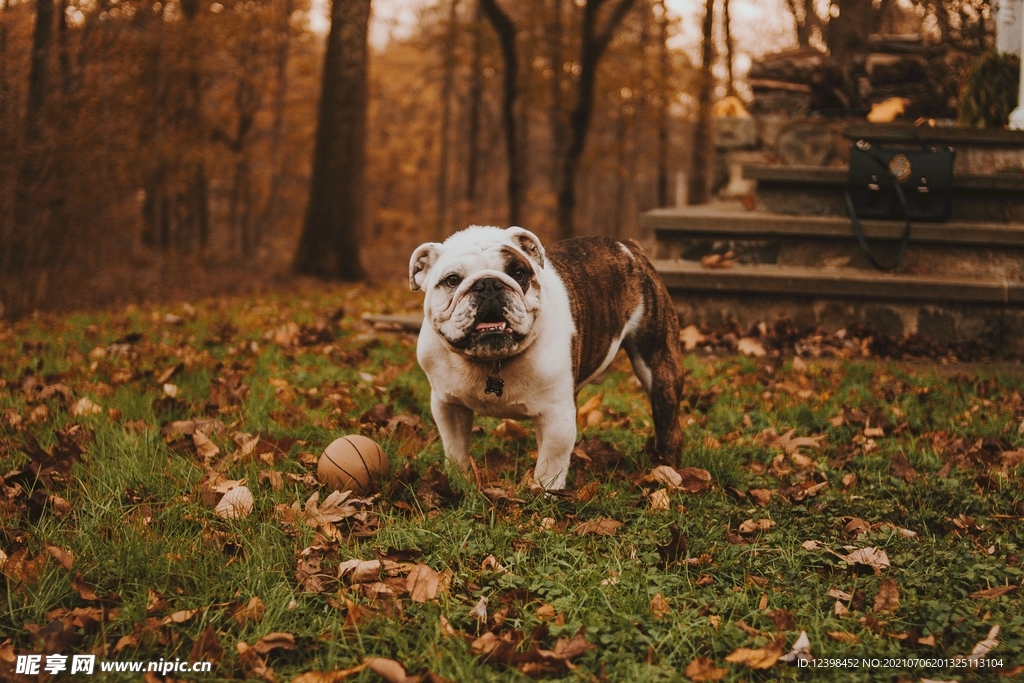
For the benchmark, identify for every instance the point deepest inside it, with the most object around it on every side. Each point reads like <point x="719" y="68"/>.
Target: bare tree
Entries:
<point x="697" y="186"/>
<point x="448" y="68"/>
<point x="594" y="40"/>
<point x="664" y="96"/>
<point x="329" y="245"/>
<point x="506" y="31"/>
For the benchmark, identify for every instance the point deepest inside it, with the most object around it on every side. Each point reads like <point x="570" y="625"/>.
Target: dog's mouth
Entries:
<point x="485" y="327"/>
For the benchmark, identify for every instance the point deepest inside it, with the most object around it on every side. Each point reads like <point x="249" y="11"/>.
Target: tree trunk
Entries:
<point x="476" y="93"/>
<point x="593" y="43"/>
<point x="556" y="119"/>
<point x="726" y="25"/>
<point x="664" y="97"/>
<point x="269" y="216"/>
<point x="329" y="245"/>
<point x="697" y="191"/>
<point x="506" y="31"/>
<point x="446" y="116"/>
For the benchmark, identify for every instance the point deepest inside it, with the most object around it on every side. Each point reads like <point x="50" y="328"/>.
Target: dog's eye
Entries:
<point x="453" y="280"/>
<point x="520" y="275"/>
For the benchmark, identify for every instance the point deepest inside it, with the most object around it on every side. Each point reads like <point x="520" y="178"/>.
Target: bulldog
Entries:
<point x="514" y="330"/>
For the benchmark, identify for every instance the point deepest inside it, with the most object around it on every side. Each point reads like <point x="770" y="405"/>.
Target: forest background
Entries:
<point x="153" y="150"/>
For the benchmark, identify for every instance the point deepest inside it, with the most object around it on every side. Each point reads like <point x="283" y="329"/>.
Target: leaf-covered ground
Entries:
<point x="829" y="505"/>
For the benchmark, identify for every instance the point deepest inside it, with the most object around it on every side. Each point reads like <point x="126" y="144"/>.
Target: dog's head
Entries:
<point x="483" y="290"/>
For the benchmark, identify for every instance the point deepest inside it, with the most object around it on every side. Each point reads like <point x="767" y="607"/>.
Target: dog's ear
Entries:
<point x="424" y="257"/>
<point x="529" y="243"/>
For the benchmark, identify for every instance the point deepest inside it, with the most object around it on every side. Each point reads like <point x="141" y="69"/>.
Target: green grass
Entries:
<point x="145" y="542"/>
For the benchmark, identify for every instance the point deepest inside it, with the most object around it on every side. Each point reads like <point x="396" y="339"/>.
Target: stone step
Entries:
<point x="963" y="249"/>
<point x="815" y="190"/>
<point x="982" y="311"/>
<point x="836" y="283"/>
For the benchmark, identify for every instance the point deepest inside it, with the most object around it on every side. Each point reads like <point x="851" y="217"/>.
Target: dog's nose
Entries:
<point x="488" y="284"/>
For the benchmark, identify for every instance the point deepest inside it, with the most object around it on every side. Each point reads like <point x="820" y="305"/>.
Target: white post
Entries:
<point x="1011" y="20"/>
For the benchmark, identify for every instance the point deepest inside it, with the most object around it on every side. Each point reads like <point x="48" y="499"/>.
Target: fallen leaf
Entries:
<point x="660" y="501"/>
<point x="666" y="475"/>
<point x="801" y="650"/>
<point x="179" y="617"/>
<point x="274" y="641"/>
<point x="751" y="526"/>
<point x="843" y="637"/>
<point x="601" y="526"/>
<point x="749" y="346"/>
<point x="388" y="669"/>
<point x="761" y="496"/>
<point x="811" y="545"/>
<point x="84" y="406"/>
<point x="207" y="647"/>
<point x="788" y="442"/>
<point x="872" y="557"/>
<point x="329" y="676"/>
<point x="856" y="527"/>
<point x="236" y="503"/>
<point x="205" y="448"/>
<point x="251" y="660"/>
<point x="993" y="593"/>
<point x="252" y="611"/>
<point x="589" y="407"/>
<point x="888" y="597"/>
<point x="760" y="658"/>
<point x="422" y="583"/>
<point x="704" y="669"/>
<point x="66" y="559"/>
<point x="694" y="479"/>
<point x="985" y="646"/>
<point x="479" y="612"/>
<point x="659" y="606"/>
<point x="691" y="337"/>
<point x="84" y="591"/>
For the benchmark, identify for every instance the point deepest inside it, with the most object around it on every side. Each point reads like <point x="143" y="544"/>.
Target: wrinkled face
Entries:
<point x="482" y="289"/>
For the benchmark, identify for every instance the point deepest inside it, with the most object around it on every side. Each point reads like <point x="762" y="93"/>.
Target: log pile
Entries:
<point x="805" y="81"/>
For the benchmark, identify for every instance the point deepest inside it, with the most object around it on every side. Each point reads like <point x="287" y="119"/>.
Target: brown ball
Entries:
<point x="352" y="463"/>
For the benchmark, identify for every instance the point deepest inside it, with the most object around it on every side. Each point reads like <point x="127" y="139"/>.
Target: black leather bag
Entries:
<point x="892" y="183"/>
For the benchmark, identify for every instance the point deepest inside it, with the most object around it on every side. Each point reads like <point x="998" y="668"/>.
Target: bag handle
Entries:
<point x="858" y="231"/>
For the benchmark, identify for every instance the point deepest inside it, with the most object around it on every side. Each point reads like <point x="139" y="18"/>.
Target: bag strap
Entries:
<point x="858" y="231"/>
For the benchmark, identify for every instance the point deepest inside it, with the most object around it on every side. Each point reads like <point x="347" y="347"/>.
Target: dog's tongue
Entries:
<point x="484" y="327"/>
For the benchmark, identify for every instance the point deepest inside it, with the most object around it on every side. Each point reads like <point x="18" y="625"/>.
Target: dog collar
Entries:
<point x="495" y="384"/>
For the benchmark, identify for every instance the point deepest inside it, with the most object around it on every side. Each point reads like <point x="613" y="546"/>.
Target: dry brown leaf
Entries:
<point x="79" y="584"/>
<point x="479" y="611"/>
<point x="601" y="526"/>
<point x="235" y="504"/>
<point x="252" y="611"/>
<point x="206" y="647"/>
<point x="993" y="593"/>
<point x="659" y="606"/>
<point x="179" y="617"/>
<point x="760" y="658"/>
<point x="666" y="475"/>
<point x="843" y="637"/>
<point x="691" y="337"/>
<point x="985" y="646"/>
<point x="749" y="346"/>
<point x="205" y="448"/>
<point x="888" y="597"/>
<point x="872" y="557"/>
<point x="388" y="669"/>
<point x="583" y="414"/>
<point x="274" y="641"/>
<point x="788" y="442"/>
<point x="751" y="526"/>
<point x="694" y="479"/>
<point x="66" y="559"/>
<point x="422" y="583"/>
<point x="84" y="406"/>
<point x="251" y="660"/>
<point x="811" y="545"/>
<point x="761" y="496"/>
<point x="660" y="501"/>
<point x="856" y="527"/>
<point x="704" y="669"/>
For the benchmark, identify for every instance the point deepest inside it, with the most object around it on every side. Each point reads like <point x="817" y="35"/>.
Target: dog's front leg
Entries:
<point x="455" y="424"/>
<point x="556" y="436"/>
